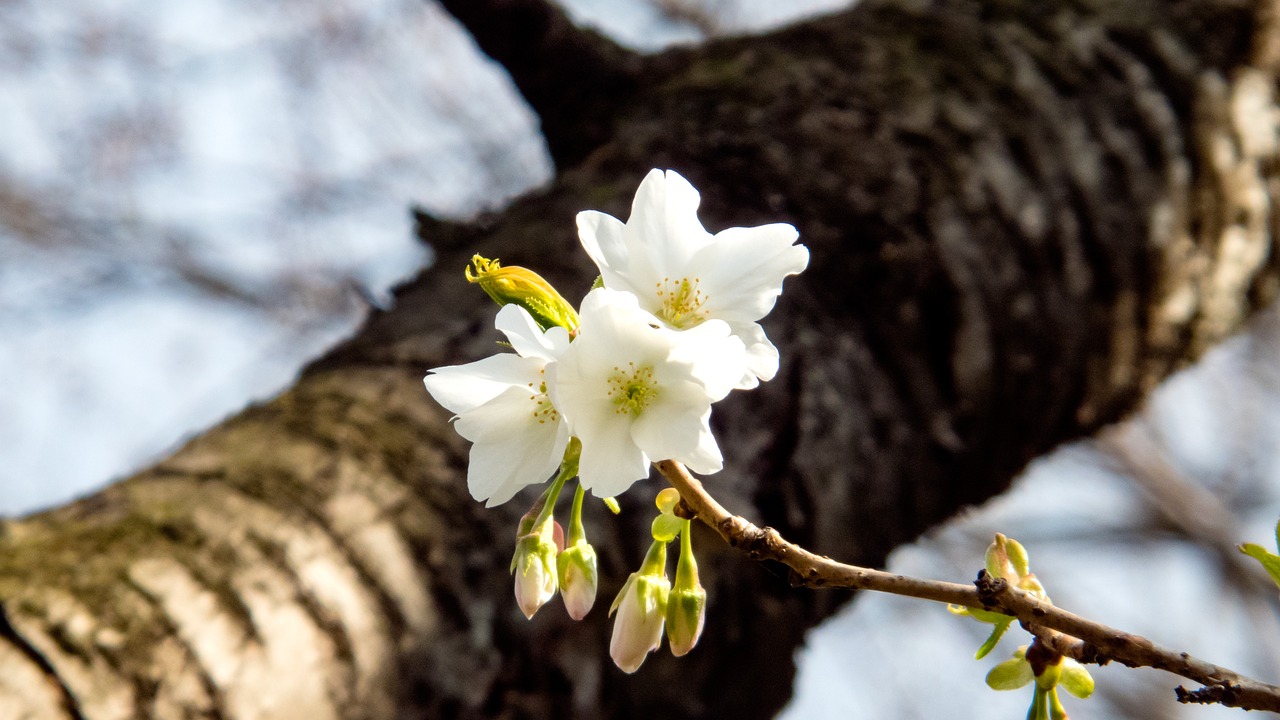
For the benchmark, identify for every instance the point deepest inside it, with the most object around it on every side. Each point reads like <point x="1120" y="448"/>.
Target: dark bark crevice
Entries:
<point x="216" y="708"/>
<point x="10" y="635"/>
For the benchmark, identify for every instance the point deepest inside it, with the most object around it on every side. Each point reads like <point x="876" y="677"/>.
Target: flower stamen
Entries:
<point x="543" y="410"/>
<point x="682" y="302"/>
<point x="632" y="389"/>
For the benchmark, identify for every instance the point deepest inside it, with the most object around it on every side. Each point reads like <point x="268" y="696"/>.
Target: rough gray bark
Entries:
<point x="1022" y="216"/>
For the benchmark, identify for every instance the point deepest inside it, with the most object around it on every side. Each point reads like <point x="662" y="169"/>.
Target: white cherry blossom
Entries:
<point x="501" y="405"/>
<point x="634" y="391"/>
<point x="686" y="276"/>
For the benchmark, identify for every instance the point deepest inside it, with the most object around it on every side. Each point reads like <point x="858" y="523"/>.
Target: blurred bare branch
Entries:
<point x="708" y="16"/>
<point x="1186" y="507"/>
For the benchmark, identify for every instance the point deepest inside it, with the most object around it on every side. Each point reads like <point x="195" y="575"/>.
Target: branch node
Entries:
<point x="725" y="528"/>
<point x="1225" y="694"/>
<point x="990" y="589"/>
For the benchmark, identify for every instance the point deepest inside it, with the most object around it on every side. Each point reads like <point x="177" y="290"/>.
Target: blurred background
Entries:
<point x="196" y="198"/>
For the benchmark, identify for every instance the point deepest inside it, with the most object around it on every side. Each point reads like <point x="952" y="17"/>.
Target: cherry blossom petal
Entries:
<point x="509" y="451"/>
<point x="677" y="432"/>
<point x="460" y="388"/>
<point x="527" y="337"/>
<point x="761" y="355"/>
<point x="602" y="238"/>
<point x="611" y="462"/>
<point x="742" y="272"/>
<point x="664" y="226"/>
<point x="715" y="357"/>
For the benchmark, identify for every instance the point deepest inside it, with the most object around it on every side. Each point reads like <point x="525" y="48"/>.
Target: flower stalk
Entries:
<point x="687" y="603"/>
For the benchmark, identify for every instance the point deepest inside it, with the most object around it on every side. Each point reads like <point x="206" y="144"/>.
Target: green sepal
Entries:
<point x="990" y="616"/>
<point x="617" y="600"/>
<point x="987" y="616"/>
<point x="686" y="614"/>
<point x="1269" y="561"/>
<point x="1075" y="679"/>
<point x="995" y="560"/>
<point x="1017" y="556"/>
<point x="997" y="632"/>
<point x="1011" y="674"/>
<point x="1004" y="555"/>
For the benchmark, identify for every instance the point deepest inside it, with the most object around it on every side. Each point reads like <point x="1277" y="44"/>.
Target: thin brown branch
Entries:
<point x="1064" y="632"/>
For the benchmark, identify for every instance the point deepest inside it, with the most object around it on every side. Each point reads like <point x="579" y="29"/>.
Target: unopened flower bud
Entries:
<point x="578" y="578"/>
<point x="641" y="614"/>
<point x="686" y="613"/>
<point x="525" y="288"/>
<point x="534" y="566"/>
<point x="1006" y="558"/>
<point x="687" y="604"/>
<point x="642" y="611"/>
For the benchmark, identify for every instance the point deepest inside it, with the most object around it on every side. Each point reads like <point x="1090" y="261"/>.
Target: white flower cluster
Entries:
<point x="673" y="329"/>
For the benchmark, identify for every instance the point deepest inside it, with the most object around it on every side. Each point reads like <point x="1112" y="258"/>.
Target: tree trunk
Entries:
<point x="1022" y="216"/>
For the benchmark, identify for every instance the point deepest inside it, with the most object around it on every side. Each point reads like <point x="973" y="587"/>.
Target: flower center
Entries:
<point x="543" y="410"/>
<point x="632" y="389"/>
<point x="682" y="302"/>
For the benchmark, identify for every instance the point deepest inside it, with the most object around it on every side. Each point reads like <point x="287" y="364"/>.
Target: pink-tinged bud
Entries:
<point x="637" y="631"/>
<point x="557" y="535"/>
<point x="686" y="613"/>
<point x="535" y="571"/>
<point x="578" y="578"/>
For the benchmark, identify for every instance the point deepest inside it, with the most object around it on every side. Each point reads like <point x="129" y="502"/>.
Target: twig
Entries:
<point x="1068" y="634"/>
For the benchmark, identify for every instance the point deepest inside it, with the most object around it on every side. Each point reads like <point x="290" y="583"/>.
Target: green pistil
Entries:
<point x="682" y="301"/>
<point x="632" y="389"/>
